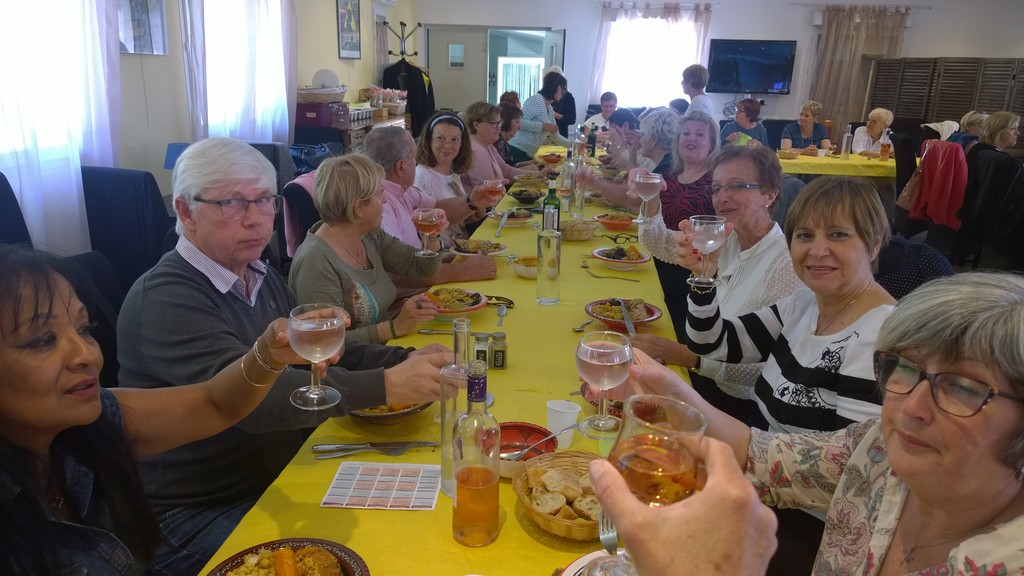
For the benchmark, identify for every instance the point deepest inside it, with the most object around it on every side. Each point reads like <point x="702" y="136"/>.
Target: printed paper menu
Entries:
<point x="384" y="486"/>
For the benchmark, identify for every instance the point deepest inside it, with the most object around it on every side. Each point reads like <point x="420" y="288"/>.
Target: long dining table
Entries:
<point x="540" y="367"/>
<point x="855" y="165"/>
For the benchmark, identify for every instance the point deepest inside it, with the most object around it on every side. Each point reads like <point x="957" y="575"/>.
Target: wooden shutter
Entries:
<point x="885" y="84"/>
<point x="956" y="88"/>
<point x="1016" y="99"/>
<point x="915" y="87"/>
<point x="995" y="83"/>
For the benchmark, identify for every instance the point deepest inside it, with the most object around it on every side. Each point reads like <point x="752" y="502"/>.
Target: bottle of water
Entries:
<point x="453" y="400"/>
<point x="549" y="256"/>
<point x="477" y="441"/>
<point x="847" y="144"/>
<point x="565" y="191"/>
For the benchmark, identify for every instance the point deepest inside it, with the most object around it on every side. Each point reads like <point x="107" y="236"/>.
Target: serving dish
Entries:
<point x="611" y="220"/>
<point x="577" y="566"/>
<point x="653" y="313"/>
<point x="552" y="158"/>
<point x="515" y="218"/>
<point x="578" y="230"/>
<point x="517" y="436"/>
<point x="525" y="266"/>
<point x="528" y="196"/>
<point x="351" y="563"/>
<point x="390" y="416"/>
<point x="623" y="264"/>
<point x="532" y="181"/>
<point x="790" y="154"/>
<point x="471" y="301"/>
<point x="464" y="247"/>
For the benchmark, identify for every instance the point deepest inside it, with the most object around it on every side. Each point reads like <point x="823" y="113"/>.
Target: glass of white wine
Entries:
<point x="708" y="236"/>
<point x="603" y="360"/>
<point x="647" y="186"/>
<point x="316" y="332"/>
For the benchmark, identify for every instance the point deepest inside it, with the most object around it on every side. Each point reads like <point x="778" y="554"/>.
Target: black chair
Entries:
<point x="993" y="207"/>
<point x="904" y="265"/>
<point x="127" y="218"/>
<point x="791" y="186"/>
<point x="13" y="229"/>
<point x="301" y="205"/>
<point x="95" y="281"/>
<point x="280" y="156"/>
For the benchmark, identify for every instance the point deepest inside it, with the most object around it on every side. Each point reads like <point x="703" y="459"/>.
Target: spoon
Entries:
<point x="502" y="311"/>
<point x="520" y="453"/>
<point x="582" y="326"/>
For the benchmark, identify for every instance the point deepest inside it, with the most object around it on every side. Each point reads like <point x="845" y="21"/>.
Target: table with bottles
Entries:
<point x="540" y="366"/>
<point x="855" y="165"/>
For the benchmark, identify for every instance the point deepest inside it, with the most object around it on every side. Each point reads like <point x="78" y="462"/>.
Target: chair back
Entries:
<point x="95" y="282"/>
<point x="280" y="156"/>
<point x="13" y="229"/>
<point x="127" y="218"/>
<point x="905" y="155"/>
<point x="904" y="265"/>
<point x="302" y="211"/>
<point x="791" y="186"/>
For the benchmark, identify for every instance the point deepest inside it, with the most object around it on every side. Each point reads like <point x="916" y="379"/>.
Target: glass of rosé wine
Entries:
<point x="654" y="453"/>
<point x="494" y="189"/>
<point x="316" y="332"/>
<point x="603" y="360"/>
<point x="427" y="221"/>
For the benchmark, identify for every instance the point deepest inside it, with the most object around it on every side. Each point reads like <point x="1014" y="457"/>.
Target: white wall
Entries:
<point x="978" y="28"/>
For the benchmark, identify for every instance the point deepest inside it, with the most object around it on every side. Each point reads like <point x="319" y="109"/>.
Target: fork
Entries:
<point x="606" y="532"/>
<point x="395" y="451"/>
<point x="586" y="269"/>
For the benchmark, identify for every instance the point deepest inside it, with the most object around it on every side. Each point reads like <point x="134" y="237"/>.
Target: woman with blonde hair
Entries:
<point x="970" y="130"/>
<point x="806" y="134"/>
<point x="347" y="259"/>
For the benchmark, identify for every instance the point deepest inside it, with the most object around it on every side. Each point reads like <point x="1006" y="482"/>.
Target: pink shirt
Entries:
<point x="397" y="216"/>
<point x="487" y="165"/>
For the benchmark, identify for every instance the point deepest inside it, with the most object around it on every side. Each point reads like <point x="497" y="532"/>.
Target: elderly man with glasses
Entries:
<point x="195" y="312"/>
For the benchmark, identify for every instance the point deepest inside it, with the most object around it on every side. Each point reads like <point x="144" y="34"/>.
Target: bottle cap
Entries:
<point x="498" y="335"/>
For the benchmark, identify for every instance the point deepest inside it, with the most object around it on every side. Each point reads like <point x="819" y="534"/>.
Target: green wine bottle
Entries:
<point x="552" y="199"/>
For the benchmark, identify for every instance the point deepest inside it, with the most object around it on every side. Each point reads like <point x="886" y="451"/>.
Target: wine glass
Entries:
<point x="647" y="187"/>
<point x="427" y="221"/>
<point x="603" y="360"/>
<point x="316" y="332"/>
<point x="708" y="236"/>
<point x="494" y="189"/>
<point x="654" y="453"/>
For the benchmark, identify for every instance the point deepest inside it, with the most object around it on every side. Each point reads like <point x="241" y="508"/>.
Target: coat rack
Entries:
<point x="402" y="38"/>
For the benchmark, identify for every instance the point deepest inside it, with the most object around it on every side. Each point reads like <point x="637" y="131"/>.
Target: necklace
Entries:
<point x="909" y="551"/>
<point x="360" y="259"/>
<point x="821" y="329"/>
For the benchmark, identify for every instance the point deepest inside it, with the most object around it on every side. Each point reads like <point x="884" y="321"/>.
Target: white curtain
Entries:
<point x="671" y="37"/>
<point x="241" y="61"/>
<point x="59" y="108"/>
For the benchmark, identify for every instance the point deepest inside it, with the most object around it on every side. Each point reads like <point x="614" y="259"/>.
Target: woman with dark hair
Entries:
<point x="511" y="120"/>
<point x="70" y="497"/>
<point x="538" y="124"/>
<point x="745" y="130"/>
<point x="443" y="155"/>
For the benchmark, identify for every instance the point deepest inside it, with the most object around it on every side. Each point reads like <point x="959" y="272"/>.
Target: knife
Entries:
<point x="321" y="448"/>
<point x="429" y="331"/>
<point x="627" y="318"/>
<point x="504" y="218"/>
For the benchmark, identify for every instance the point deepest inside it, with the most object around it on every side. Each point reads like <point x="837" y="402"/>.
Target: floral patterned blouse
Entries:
<point x="847" y="472"/>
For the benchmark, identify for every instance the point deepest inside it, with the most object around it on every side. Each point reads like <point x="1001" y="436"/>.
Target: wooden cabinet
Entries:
<point x="351" y="137"/>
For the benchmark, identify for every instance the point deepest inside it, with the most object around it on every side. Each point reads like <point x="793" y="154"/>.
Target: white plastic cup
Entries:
<point x="562" y="414"/>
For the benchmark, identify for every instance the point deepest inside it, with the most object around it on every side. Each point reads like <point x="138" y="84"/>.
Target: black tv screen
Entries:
<point x="751" y="66"/>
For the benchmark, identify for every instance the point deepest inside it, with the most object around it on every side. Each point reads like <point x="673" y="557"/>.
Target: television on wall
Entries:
<point x="750" y="66"/>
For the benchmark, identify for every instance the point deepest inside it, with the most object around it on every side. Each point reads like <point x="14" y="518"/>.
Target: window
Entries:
<point x="645" y="58"/>
<point x="519" y="74"/>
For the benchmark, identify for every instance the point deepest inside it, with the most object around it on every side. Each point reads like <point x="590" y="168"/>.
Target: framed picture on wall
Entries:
<point x="456" y="55"/>
<point x="348" y="29"/>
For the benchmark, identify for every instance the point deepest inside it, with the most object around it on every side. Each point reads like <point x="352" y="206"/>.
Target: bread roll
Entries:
<point x="587" y="507"/>
<point x="585" y="484"/>
<point x="533" y="476"/>
<point x="547" y="502"/>
<point x="564" y="483"/>
<point x="566" y="513"/>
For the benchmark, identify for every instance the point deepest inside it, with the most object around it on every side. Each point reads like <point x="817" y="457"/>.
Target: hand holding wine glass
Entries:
<point x="603" y="360"/>
<point x="647" y="185"/>
<point x="689" y="257"/>
<point x="428" y="221"/>
<point x="316" y="332"/>
<point x="709" y="233"/>
<point x="656" y="453"/>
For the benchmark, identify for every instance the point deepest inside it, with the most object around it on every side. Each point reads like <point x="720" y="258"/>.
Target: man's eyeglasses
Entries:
<point x="621" y="238"/>
<point x="733" y="187"/>
<point x="952" y="393"/>
<point x="441" y="140"/>
<point x="234" y="208"/>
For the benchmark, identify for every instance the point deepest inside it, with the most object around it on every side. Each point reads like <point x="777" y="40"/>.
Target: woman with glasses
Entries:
<point x="935" y="485"/>
<point x="347" y="259"/>
<point x="484" y="122"/>
<point x="745" y="130"/>
<point x="443" y="155"/>
<point x="753" y="266"/>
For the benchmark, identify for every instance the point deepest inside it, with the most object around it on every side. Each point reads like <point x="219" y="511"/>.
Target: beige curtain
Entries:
<point x="851" y="39"/>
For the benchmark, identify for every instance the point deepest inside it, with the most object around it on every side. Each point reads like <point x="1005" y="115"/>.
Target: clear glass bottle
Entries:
<point x="498" y="351"/>
<point x="453" y="400"/>
<point x="549" y="257"/>
<point x="844" y="154"/>
<point x="477" y="441"/>
<point x="480" y="348"/>
<point x="886" y="142"/>
<point x="568" y="176"/>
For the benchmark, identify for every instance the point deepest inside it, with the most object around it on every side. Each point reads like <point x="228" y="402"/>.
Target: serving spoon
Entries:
<point x="520" y="453"/>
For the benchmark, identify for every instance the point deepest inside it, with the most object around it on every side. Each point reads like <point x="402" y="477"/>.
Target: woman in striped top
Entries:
<point x="538" y="124"/>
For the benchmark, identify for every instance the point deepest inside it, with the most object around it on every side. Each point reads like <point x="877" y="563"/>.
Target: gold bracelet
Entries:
<point x="241" y="364"/>
<point x="701" y="291"/>
<point x="262" y="362"/>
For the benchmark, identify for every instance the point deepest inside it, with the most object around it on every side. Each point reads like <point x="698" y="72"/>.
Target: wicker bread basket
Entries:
<point x="790" y="154"/>
<point x="575" y="462"/>
<point x="578" y="230"/>
<point x="322" y="95"/>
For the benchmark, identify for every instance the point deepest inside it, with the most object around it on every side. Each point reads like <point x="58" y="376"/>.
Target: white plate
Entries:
<point x="620" y="265"/>
<point x="504" y="248"/>
<point x="510" y="222"/>
<point x="576" y="568"/>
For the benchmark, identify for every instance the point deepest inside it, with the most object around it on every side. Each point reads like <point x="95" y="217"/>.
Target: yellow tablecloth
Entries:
<point x="540" y="367"/>
<point x="855" y="166"/>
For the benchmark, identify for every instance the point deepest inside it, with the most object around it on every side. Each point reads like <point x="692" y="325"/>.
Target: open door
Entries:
<point x="554" y="48"/>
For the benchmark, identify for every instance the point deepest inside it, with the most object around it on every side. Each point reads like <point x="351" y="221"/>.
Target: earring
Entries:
<point x="1020" y="473"/>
